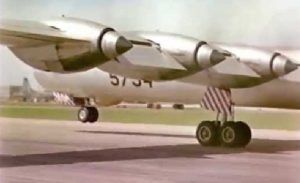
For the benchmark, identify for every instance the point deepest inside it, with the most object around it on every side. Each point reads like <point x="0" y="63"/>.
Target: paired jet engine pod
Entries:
<point x="82" y="46"/>
<point x="193" y="54"/>
<point x="265" y="63"/>
<point x="100" y="43"/>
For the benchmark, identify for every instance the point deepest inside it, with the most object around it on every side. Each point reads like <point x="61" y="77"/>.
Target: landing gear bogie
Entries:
<point x="230" y="134"/>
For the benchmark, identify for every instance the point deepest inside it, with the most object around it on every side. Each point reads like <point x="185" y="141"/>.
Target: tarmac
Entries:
<point x="67" y="151"/>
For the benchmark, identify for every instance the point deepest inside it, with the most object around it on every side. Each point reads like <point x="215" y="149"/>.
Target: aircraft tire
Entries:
<point x="207" y="133"/>
<point x="94" y="114"/>
<point x="246" y="134"/>
<point x="230" y="134"/>
<point x="235" y="134"/>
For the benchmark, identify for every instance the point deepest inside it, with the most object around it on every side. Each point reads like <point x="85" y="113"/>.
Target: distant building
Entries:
<point x="23" y="93"/>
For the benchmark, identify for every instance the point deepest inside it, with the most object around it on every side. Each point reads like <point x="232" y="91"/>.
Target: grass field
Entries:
<point x="288" y="120"/>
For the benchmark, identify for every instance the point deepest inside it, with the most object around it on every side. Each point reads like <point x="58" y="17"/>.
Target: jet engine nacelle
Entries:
<point x="193" y="54"/>
<point x="265" y="63"/>
<point x="89" y="44"/>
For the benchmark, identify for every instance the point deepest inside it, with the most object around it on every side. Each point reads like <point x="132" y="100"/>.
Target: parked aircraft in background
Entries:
<point x="24" y="93"/>
<point x="84" y="60"/>
<point x="33" y="95"/>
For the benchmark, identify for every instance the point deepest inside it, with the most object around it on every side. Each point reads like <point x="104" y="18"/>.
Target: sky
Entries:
<point x="258" y="22"/>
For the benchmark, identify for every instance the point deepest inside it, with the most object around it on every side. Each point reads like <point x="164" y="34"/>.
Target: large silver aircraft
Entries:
<point x="85" y="61"/>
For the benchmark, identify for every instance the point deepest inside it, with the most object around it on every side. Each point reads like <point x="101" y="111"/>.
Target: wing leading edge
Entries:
<point x="16" y="33"/>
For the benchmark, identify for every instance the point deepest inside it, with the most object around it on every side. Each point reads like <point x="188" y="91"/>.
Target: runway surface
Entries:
<point x="60" y="151"/>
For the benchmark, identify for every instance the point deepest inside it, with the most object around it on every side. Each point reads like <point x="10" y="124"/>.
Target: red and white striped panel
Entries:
<point x="63" y="99"/>
<point x="218" y="100"/>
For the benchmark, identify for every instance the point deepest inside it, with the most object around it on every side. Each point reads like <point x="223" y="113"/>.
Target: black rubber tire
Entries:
<point x="94" y="114"/>
<point x="246" y="134"/>
<point x="83" y="114"/>
<point x="230" y="134"/>
<point x="212" y="129"/>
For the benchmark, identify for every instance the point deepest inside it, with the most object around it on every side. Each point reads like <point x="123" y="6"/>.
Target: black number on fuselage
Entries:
<point x="149" y="82"/>
<point x="114" y="80"/>
<point x="124" y="81"/>
<point x="117" y="81"/>
<point x="137" y="83"/>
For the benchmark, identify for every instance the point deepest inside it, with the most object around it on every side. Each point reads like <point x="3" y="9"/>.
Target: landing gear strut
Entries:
<point x="88" y="114"/>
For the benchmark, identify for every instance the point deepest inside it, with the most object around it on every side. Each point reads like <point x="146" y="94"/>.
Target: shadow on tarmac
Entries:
<point x="257" y="145"/>
<point x="143" y="153"/>
<point x="138" y="134"/>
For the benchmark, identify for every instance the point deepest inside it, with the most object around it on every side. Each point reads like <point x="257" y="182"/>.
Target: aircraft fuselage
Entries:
<point x="110" y="89"/>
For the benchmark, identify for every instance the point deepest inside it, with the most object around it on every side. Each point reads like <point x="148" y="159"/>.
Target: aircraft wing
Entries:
<point x="72" y="45"/>
<point x="68" y="45"/>
<point x="14" y="33"/>
<point x="62" y="45"/>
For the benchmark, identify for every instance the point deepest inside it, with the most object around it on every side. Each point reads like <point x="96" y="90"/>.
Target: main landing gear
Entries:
<point x="228" y="134"/>
<point x="88" y="114"/>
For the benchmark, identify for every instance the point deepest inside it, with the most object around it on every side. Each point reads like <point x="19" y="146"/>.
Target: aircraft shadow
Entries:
<point x="257" y="145"/>
<point x="137" y="134"/>
<point x="141" y="153"/>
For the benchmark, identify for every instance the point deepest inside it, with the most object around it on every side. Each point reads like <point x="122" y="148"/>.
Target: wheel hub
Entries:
<point x="205" y="134"/>
<point x="228" y="135"/>
<point x="82" y="114"/>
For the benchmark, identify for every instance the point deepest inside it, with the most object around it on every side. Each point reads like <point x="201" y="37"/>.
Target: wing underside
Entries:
<point x="28" y="33"/>
<point x="27" y="39"/>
